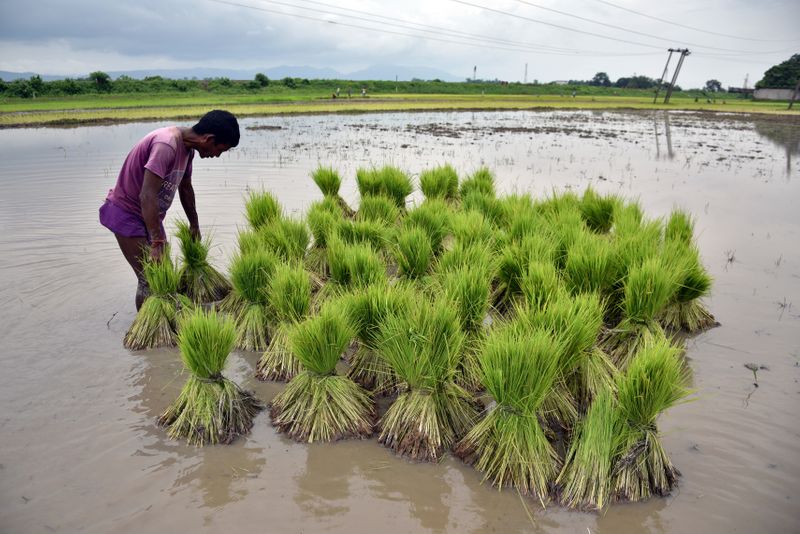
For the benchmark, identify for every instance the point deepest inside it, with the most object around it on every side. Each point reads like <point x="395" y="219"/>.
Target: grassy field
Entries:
<point x="91" y="109"/>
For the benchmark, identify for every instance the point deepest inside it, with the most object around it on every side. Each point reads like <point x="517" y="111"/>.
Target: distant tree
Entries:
<point x="636" y="82"/>
<point x="713" y="86"/>
<point x="37" y="84"/>
<point x="21" y="88"/>
<point x="261" y="79"/>
<point x="305" y="81"/>
<point x="101" y="80"/>
<point x="289" y="82"/>
<point x="601" y="79"/>
<point x="3" y="86"/>
<point x="782" y="76"/>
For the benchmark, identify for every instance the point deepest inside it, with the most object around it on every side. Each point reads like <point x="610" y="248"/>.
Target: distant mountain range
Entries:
<point x="375" y="72"/>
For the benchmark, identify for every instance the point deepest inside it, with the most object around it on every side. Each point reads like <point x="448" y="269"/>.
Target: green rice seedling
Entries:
<point x="648" y="290"/>
<point x="329" y="182"/>
<point x="468" y="290"/>
<point x="379" y="209"/>
<point x="558" y="204"/>
<point x="322" y="220"/>
<point x="633" y="244"/>
<point x="481" y="181"/>
<point x="680" y="227"/>
<point x="472" y="227"/>
<point x="567" y="228"/>
<point x="686" y="310"/>
<point x="512" y="265"/>
<point x="158" y="320"/>
<point x="598" y="211"/>
<point x="509" y="445"/>
<point x="372" y="233"/>
<point x="655" y="381"/>
<point x="290" y="299"/>
<point x="432" y="216"/>
<point x="352" y="266"/>
<point x="199" y="280"/>
<point x="367" y="308"/>
<point x="476" y="255"/>
<point x="395" y="184"/>
<point x="423" y="347"/>
<point x="589" y="265"/>
<point x="413" y="252"/>
<point x="251" y="275"/>
<point x="286" y="237"/>
<point x="369" y="182"/>
<point x="261" y="208"/>
<point x="318" y="404"/>
<point x="492" y="208"/>
<point x="540" y="284"/>
<point x="249" y="241"/>
<point x="525" y="222"/>
<point x="439" y="182"/>
<point x="586" y="478"/>
<point x="210" y="409"/>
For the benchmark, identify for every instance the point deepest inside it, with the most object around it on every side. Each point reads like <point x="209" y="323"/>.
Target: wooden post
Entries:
<point x="794" y="95"/>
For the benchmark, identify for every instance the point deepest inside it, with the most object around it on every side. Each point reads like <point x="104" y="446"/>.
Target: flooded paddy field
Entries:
<point x="80" y="450"/>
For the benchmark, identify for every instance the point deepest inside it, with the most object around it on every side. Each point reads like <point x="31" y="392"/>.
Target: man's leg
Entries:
<point x="134" y="249"/>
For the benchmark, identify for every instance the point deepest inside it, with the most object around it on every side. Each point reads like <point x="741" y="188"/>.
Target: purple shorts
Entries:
<point x="123" y="223"/>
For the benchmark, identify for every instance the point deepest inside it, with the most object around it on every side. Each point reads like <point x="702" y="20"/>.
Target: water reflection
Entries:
<point x="784" y="134"/>
<point x="667" y="134"/>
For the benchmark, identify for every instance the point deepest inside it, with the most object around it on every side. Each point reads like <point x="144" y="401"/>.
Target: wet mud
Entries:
<point x="81" y="450"/>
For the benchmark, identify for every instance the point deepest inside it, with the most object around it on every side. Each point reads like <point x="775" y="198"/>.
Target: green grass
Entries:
<point x="261" y="208"/>
<point x="439" y="182"/>
<point x="413" y="252"/>
<point x="199" y="280"/>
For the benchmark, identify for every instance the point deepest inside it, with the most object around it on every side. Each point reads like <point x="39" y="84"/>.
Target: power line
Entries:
<point x="628" y="30"/>
<point x="695" y="29"/>
<point x="514" y="48"/>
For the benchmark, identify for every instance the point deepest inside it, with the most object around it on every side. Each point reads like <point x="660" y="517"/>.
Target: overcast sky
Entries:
<point x="729" y="39"/>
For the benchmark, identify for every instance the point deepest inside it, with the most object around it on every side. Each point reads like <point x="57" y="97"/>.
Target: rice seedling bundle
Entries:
<point x="589" y="265"/>
<point x="413" y="252"/>
<point x="648" y="290"/>
<point x="285" y="237"/>
<point x="540" y="284"/>
<point x="433" y="217"/>
<point x="476" y="255"/>
<point x="158" y="320"/>
<point x="686" y="310"/>
<point x="654" y="382"/>
<point x="249" y="241"/>
<point x="372" y="233"/>
<point x="513" y="263"/>
<point x="251" y="275"/>
<point x="526" y="222"/>
<point x="388" y="181"/>
<point x="489" y="206"/>
<point x="559" y="204"/>
<point x="586" y="477"/>
<point x="598" y="211"/>
<point x="322" y="219"/>
<point x="367" y="309"/>
<point x="318" y="404"/>
<point x="481" y="181"/>
<point x="439" y="182"/>
<point x="210" y="408"/>
<point x="423" y="347"/>
<point x="290" y="300"/>
<point x="680" y="228"/>
<point x="199" y="280"/>
<point x="261" y="208"/>
<point x="472" y="227"/>
<point x="509" y="445"/>
<point x="567" y="228"/>
<point x="379" y="209"/>
<point x="329" y="182"/>
<point x="353" y="266"/>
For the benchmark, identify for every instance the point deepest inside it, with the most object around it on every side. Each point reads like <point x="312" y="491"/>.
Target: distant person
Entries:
<point x="337" y="92"/>
<point x="349" y="93"/>
<point x="156" y="168"/>
<point x="363" y="92"/>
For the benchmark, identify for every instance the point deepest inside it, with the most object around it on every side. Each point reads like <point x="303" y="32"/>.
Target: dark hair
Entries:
<point x="221" y="124"/>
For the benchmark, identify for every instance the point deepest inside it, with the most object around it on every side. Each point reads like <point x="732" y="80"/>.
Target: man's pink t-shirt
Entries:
<point x="163" y="153"/>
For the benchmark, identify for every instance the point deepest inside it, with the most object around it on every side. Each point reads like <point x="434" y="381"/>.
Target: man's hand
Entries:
<point x="195" y="230"/>
<point x="157" y="250"/>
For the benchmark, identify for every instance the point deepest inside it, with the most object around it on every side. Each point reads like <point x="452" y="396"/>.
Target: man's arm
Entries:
<point x="186" y="193"/>
<point x="148" y="199"/>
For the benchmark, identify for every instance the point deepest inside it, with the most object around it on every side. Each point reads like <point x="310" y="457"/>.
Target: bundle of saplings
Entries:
<point x="432" y="217"/>
<point x="413" y="252"/>
<point x="322" y="218"/>
<point x="378" y="208"/>
<point x="248" y="303"/>
<point x="351" y="267"/>
<point x="158" y="320"/>
<point x="199" y="280"/>
<point x="210" y="408"/>
<point x="289" y="296"/>
<point x="261" y="208"/>
<point x="481" y="181"/>
<point x="655" y="381"/>
<point x="318" y="404"/>
<point x="439" y="182"/>
<point x="367" y="309"/>
<point x="287" y="238"/>
<point x="388" y="181"/>
<point x="598" y="211"/>
<point x="329" y="182"/>
<point x="509" y="445"/>
<point x="423" y="346"/>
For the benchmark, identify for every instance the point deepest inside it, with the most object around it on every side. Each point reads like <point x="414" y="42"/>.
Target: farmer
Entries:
<point x="156" y="168"/>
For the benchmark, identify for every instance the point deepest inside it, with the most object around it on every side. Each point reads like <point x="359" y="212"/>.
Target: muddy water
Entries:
<point x="79" y="448"/>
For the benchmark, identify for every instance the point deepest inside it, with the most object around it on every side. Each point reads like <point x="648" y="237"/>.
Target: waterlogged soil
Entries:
<point x="80" y="448"/>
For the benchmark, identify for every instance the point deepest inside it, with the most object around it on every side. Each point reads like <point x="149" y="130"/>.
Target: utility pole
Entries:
<point x="684" y="52"/>
<point x="474" y="73"/>
<point x="746" y="76"/>
<point x="794" y="95"/>
<point x="525" y="80"/>
<point x="658" y="87"/>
